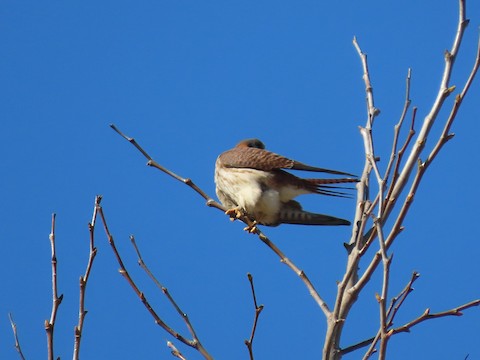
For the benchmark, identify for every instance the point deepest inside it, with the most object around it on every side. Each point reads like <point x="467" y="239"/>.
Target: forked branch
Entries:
<point x="165" y="291"/>
<point x="194" y="343"/>
<point x="258" y="310"/>
<point x="390" y="195"/>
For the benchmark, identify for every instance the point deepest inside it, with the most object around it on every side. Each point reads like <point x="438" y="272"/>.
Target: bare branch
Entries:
<point x="83" y="284"/>
<point x="398" y="161"/>
<point x="165" y="291"/>
<point x="123" y="271"/>
<point x="382" y="300"/>
<point x="153" y="163"/>
<point x="392" y="311"/>
<point x="427" y="316"/>
<point x="371" y="109"/>
<point x="258" y="310"/>
<point x="15" y="335"/>
<point x="398" y="300"/>
<point x="56" y="300"/>
<point x="175" y="351"/>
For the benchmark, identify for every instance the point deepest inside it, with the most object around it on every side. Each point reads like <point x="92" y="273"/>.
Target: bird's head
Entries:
<point x="253" y="143"/>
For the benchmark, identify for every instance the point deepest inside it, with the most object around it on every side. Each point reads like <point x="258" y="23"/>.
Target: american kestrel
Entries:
<point x="250" y="181"/>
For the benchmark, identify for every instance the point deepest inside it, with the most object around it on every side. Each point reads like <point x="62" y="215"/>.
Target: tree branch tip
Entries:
<point x="250" y="277"/>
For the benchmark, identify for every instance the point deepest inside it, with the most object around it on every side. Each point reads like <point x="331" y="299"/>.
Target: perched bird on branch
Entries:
<point x="250" y="181"/>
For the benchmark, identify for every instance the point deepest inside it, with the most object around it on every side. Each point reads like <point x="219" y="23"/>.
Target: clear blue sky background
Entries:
<point x="188" y="79"/>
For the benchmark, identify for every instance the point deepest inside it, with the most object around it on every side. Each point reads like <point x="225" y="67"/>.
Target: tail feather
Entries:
<point x="324" y="186"/>
<point x="332" y="181"/>
<point x="292" y="213"/>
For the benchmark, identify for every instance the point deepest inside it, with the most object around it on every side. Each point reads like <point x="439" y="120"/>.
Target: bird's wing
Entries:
<point x="260" y="159"/>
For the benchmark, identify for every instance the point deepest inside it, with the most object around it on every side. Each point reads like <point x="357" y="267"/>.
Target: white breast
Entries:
<point x="245" y="188"/>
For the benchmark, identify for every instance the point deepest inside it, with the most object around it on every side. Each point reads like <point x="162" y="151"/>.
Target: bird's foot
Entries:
<point x="235" y="213"/>
<point x="252" y="228"/>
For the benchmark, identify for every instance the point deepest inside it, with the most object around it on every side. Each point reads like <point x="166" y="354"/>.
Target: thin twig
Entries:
<point x="398" y="300"/>
<point x="83" y="284"/>
<point x="427" y="316"/>
<point x="398" y="161"/>
<point x="56" y="300"/>
<point x="258" y="310"/>
<point x="123" y="271"/>
<point x="153" y="163"/>
<point x="142" y="264"/>
<point x="212" y="203"/>
<point x="371" y="109"/>
<point x="15" y="335"/>
<point x="398" y="126"/>
<point x="175" y="351"/>
<point x="165" y="291"/>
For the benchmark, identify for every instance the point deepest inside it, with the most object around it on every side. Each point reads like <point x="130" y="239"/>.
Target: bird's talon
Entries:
<point x="252" y="229"/>
<point x="234" y="213"/>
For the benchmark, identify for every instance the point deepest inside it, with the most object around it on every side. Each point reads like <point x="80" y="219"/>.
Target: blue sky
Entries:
<point x="189" y="80"/>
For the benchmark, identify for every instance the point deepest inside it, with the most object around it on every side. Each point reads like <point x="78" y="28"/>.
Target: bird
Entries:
<point x="251" y="181"/>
